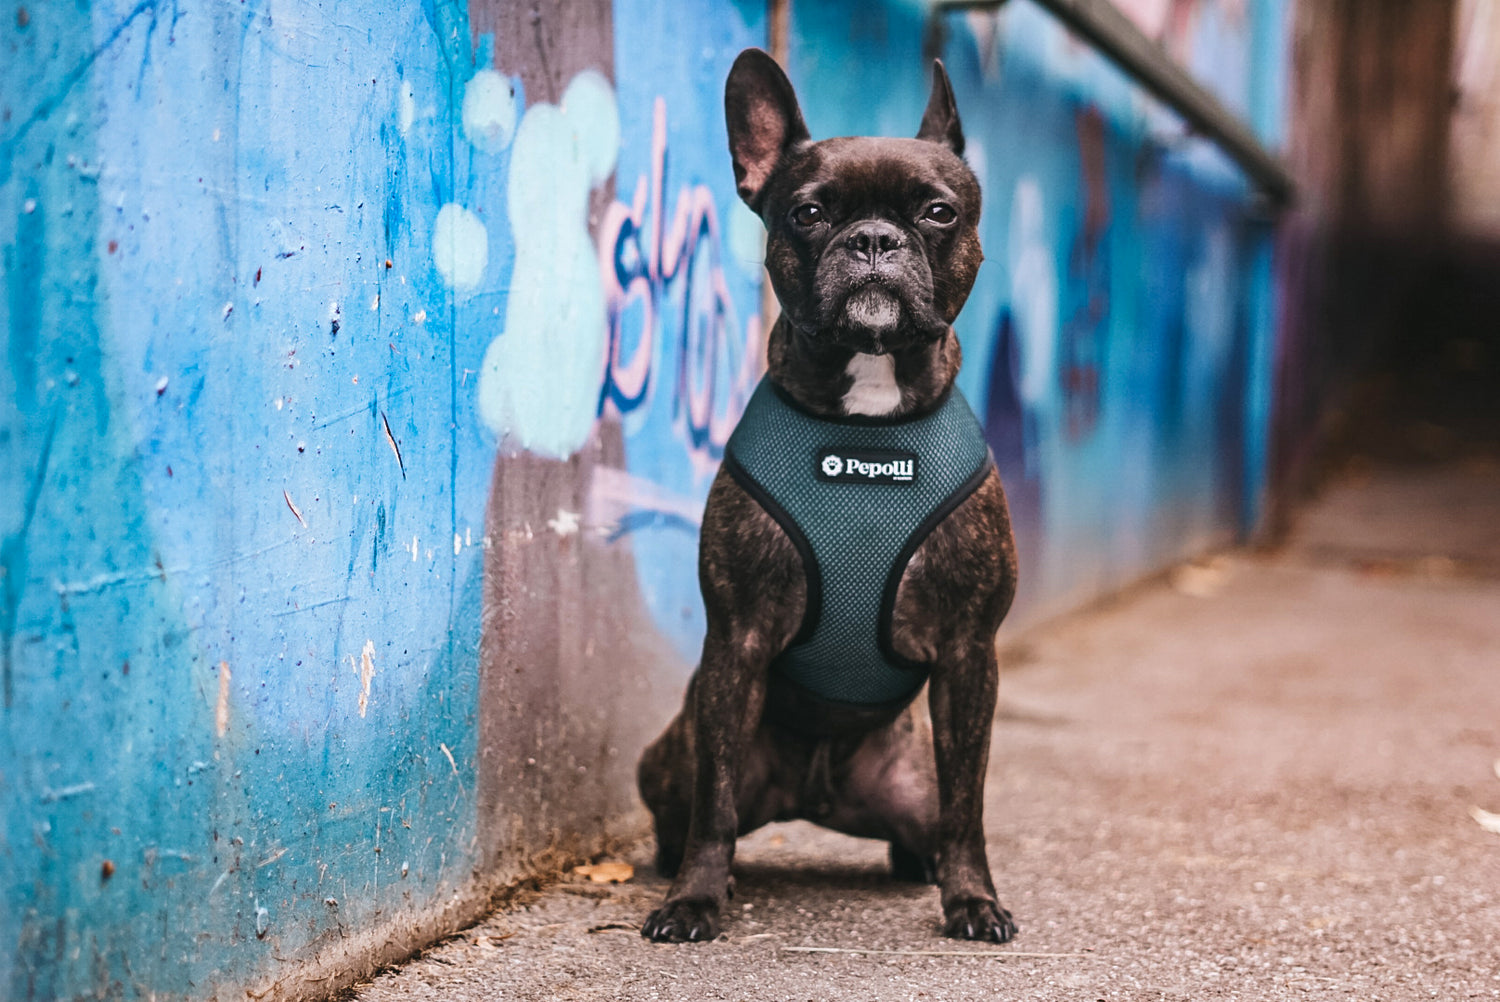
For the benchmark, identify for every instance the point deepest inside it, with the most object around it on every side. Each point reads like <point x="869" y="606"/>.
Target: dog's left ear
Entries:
<point x="940" y="121"/>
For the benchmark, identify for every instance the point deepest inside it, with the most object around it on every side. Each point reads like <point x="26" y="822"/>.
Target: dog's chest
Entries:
<point x="856" y="497"/>
<point x="873" y="392"/>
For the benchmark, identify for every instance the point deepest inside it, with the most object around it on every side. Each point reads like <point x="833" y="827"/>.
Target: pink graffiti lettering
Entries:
<point x="646" y="265"/>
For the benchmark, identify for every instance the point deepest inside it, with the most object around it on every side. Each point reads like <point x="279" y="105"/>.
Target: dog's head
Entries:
<point x="872" y="244"/>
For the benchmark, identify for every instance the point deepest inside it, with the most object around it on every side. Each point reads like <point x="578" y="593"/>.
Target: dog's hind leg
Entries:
<point x="912" y="867"/>
<point x="664" y="777"/>
<point x="754" y="595"/>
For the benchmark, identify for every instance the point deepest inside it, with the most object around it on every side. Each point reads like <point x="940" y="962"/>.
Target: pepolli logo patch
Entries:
<point x="866" y="466"/>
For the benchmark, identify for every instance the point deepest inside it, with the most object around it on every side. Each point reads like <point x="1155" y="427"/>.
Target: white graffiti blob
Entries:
<point x="460" y="248"/>
<point x="539" y="383"/>
<point x="1033" y="296"/>
<point x="489" y="111"/>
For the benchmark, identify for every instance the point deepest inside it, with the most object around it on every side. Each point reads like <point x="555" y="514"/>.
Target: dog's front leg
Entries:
<point x="962" y="701"/>
<point x="728" y="696"/>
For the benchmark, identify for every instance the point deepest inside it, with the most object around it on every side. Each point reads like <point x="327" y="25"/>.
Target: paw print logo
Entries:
<point x="832" y="466"/>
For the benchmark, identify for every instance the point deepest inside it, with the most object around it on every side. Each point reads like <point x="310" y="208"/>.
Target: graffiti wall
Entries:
<point x="365" y="370"/>
<point x="629" y="345"/>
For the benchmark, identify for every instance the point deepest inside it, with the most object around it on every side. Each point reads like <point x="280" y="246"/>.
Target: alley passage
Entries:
<point x="1250" y="780"/>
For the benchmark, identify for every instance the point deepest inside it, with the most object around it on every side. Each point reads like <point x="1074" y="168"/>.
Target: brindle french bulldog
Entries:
<point x="872" y="249"/>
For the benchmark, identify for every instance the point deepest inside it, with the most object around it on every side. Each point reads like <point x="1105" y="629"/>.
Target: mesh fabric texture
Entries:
<point x="859" y="535"/>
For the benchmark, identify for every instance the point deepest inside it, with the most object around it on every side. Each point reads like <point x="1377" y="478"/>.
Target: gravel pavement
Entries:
<point x="1252" y="779"/>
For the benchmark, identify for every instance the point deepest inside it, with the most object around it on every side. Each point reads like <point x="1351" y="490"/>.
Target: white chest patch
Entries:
<point x="874" y="392"/>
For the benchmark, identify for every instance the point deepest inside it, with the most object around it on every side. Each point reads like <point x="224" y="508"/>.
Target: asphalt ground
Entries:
<point x="1252" y="778"/>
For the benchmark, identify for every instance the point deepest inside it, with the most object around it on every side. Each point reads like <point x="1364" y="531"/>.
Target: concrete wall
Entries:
<point x="365" y="368"/>
<point x="1475" y="152"/>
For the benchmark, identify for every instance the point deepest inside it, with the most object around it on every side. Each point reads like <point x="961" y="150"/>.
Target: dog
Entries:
<point x="856" y="545"/>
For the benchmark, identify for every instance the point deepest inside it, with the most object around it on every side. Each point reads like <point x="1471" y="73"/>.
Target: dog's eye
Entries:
<point x="940" y="213"/>
<point x="807" y="215"/>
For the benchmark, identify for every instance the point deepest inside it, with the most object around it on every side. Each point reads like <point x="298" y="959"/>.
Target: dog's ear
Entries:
<point x="940" y="120"/>
<point x="764" y="121"/>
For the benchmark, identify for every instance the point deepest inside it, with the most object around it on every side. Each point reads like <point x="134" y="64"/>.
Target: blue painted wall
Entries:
<point x="238" y="630"/>
<point x="1117" y="342"/>
<point x="332" y="330"/>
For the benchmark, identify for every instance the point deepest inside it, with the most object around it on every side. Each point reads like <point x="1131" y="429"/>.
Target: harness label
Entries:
<point x="866" y="466"/>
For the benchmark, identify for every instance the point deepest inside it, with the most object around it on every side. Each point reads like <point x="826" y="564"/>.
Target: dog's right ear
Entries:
<point x="764" y="121"/>
<point x="940" y="121"/>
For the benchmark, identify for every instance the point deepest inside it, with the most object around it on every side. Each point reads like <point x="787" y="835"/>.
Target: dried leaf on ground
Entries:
<point x="491" y="940"/>
<point x="614" y="927"/>
<point x="606" y="873"/>
<point x="1203" y="579"/>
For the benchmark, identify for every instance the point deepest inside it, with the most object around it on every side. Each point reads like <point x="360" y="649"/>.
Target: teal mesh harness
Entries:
<point x="857" y="496"/>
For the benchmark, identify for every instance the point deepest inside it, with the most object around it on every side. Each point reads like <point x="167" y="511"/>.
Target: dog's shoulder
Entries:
<point x="960" y="582"/>
<point x="747" y="564"/>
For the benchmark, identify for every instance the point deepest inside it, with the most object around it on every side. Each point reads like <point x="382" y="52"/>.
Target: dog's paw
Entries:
<point x="978" y="919"/>
<point x="682" y="921"/>
<point x="911" y="866"/>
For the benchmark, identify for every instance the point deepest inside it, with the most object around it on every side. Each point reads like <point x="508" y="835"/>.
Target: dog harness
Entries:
<point x="857" y="496"/>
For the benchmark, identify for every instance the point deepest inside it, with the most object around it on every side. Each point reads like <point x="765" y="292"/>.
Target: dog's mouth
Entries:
<point x="873" y="307"/>
<point x="877" y="316"/>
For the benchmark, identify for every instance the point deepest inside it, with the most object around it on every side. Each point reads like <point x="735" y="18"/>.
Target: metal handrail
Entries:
<point x="1100" y="24"/>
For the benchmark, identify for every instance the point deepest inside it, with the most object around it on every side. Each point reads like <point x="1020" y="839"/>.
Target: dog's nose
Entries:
<point x="872" y="239"/>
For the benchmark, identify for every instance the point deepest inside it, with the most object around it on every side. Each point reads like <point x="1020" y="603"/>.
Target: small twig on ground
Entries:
<point x="924" y="953"/>
<point x="615" y="927"/>
<point x="1489" y="822"/>
<point x="594" y="891"/>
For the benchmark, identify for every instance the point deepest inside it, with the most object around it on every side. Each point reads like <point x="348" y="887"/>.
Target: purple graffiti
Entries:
<point x="1085" y="330"/>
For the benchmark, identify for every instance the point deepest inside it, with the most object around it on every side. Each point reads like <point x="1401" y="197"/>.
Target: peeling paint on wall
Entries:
<point x="221" y="707"/>
<point x="366" y="672"/>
